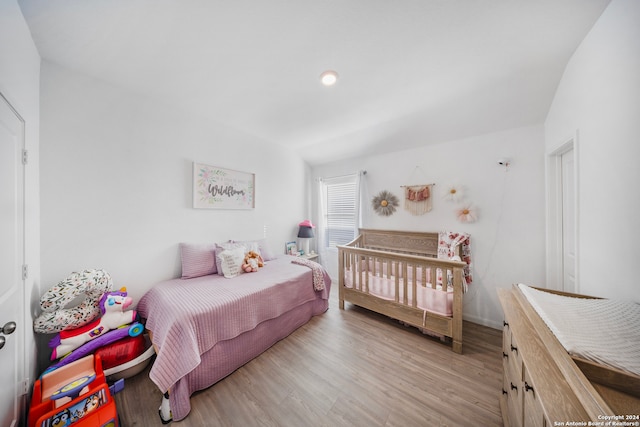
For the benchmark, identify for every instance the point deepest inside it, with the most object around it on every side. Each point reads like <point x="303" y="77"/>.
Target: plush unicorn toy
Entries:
<point x="112" y="306"/>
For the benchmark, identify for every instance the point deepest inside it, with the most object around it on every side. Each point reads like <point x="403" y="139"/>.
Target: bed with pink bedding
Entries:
<point x="204" y="328"/>
<point x="398" y="274"/>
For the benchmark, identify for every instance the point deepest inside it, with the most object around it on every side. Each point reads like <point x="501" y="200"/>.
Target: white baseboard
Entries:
<point x="484" y="322"/>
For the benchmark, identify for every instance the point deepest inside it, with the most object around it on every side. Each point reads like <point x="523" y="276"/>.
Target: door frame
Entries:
<point x="554" y="213"/>
<point x="24" y="319"/>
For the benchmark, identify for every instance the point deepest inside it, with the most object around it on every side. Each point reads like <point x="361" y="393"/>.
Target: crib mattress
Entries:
<point x="604" y="331"/>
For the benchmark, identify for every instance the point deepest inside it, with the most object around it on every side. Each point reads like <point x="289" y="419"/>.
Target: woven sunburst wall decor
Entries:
<point x="384" y="203"/>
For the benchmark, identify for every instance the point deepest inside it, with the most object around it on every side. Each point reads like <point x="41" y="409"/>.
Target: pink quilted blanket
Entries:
<point x="189" y="317"/>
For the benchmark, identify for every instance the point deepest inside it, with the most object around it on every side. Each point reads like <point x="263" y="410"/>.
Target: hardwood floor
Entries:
<point x="346" y="367"/>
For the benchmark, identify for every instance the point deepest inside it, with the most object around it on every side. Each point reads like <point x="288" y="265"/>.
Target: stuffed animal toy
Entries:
<point x="252" y="261"/>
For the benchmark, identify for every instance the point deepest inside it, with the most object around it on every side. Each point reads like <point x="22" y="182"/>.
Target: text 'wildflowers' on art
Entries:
<point x="218" y="188"/>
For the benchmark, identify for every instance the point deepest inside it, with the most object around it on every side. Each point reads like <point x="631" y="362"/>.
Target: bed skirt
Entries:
<point x="227" y="356"/>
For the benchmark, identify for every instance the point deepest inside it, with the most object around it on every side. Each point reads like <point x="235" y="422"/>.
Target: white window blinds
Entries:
<point x="341" y="216"/>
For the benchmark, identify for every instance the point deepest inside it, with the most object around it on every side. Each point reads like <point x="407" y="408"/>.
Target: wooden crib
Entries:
<point x="397" y="273"/>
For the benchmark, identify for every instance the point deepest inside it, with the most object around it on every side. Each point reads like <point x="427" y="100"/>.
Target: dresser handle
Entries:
<point x="527" y="387"/>
<point x="505" y="355"/>
<point x="514" y="348"/>
<point x="505" y="323"/>
<point x="504" y="391"/>
<point x="513" y="387"/>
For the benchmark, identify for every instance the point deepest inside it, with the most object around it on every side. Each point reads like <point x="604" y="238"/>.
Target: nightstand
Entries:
<point x="312" y="257"/>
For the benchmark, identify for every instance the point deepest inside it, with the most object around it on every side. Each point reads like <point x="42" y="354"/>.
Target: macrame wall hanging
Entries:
<point x="417" y="198"/>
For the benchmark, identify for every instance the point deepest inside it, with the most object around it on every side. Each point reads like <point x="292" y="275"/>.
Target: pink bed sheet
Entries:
<point x="205" y="328"/>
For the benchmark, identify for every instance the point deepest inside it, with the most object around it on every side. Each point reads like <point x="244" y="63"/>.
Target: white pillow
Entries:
<point x="221" y="247"/>
<point x="260" y="246"/>
<point x="232" y="262"/>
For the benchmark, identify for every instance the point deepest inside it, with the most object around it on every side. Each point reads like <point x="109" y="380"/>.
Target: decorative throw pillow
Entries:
<point x="262" y="248"/>
<point x="198" y="260"/>
<point x="232" y="262"/>
<point x="221" y="247"/>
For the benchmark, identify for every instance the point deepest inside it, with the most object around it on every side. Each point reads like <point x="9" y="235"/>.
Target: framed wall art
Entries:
<point x="219" y="188"/>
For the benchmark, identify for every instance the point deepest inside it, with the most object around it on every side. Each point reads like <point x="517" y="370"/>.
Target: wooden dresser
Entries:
<point x="544" y="386"/>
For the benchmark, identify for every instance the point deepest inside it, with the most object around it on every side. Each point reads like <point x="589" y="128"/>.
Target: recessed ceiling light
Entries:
<point x="329" y="78"/>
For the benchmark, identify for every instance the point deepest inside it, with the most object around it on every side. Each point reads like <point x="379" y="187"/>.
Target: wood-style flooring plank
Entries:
<point x="347" y="368"/>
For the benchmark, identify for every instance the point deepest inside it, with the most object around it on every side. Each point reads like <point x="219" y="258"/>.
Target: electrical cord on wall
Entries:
<point x="497" y="231"/>
<point x="469" y="296"/>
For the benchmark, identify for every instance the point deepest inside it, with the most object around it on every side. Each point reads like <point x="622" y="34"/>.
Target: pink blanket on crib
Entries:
<point x="432" y="300"/>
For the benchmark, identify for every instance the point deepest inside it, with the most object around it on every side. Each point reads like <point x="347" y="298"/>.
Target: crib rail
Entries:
<point x="359" y="265"/>
<point x="409" y="242"/>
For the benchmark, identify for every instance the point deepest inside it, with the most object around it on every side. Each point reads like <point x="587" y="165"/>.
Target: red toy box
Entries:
<point x="74" y="395"/>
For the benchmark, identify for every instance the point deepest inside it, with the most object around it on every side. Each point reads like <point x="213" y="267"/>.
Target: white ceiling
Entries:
<point x="412" y="72"/>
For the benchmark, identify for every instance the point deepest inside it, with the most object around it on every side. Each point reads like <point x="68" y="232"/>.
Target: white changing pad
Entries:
<point x="600" y="330"/>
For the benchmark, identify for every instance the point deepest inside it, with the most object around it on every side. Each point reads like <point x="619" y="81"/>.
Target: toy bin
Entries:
<point x="133" y="366"/>
<point x="73" y="395"/>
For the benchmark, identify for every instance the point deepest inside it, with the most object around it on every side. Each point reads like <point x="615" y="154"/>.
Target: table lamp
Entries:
<point x="305" y="233"/>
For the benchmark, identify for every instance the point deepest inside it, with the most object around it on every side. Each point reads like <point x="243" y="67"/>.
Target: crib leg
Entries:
<point x="165" y="409"/>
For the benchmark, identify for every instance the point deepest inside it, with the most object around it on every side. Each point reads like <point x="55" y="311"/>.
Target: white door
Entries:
<point x="11" y="260"/>
<point x="563" y="255"/>
<point x="568" y="223"/>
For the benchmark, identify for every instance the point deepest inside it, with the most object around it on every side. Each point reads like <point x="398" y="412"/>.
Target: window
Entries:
<point x="341" y="216"/>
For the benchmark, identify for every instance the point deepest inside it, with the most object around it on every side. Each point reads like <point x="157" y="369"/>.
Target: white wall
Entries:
<point x="19" y="83"/>
<point x="116" y="177"/>
<point x="599" y="97"/>
<point x="507" y="241"/>
<point x="117" y="183"/>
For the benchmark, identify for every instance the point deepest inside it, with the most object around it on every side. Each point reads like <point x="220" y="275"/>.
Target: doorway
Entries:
<point x="562" y="218"/>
